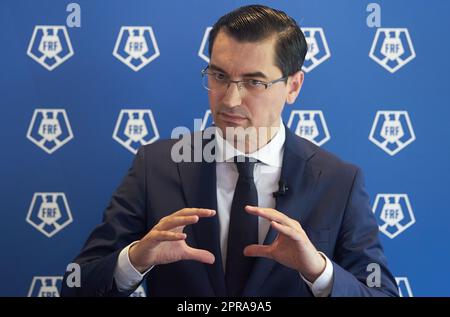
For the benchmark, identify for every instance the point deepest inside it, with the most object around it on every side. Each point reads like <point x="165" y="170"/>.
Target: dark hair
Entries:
<point x="255" y="23"/>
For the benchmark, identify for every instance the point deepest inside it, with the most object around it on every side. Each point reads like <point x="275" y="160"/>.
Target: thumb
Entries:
<point x="199" y="255"/>
<point x="258" y="250"/>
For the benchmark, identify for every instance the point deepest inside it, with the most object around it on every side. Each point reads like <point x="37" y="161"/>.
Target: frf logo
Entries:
<point x="318" y="50"/>
<point x="136" y="46"/>
<point x="309" y="124"/>
<point x="392" y="131"/>
<point x="45" y="286"/>
<point x="203" y="51"/>
<point x="394" y="213"/>
<point x="404" y="289"/>
<point x="50" y="45"/>
<point x="135" y="128"/>
<point x="49" y="129"/>
<point x="49" y="213"/>
<point x="139" y="292"/>
<point x="392" y="48"/>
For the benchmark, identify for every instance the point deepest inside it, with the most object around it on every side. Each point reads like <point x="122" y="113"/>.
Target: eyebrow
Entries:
<point x="253" y="74"/>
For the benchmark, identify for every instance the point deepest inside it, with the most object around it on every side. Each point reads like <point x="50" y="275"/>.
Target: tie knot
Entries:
<point x="245" y="165"/>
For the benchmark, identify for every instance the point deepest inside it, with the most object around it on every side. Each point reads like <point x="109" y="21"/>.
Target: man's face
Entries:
<point x="240" y="61"/>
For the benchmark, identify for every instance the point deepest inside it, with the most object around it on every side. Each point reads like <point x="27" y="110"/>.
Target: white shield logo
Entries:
<point x="50" y="45"/>
<point x="392" y="131"/>
<point x="318" y="50"/>
<point x="309" y="124"/>
<point x="394" y="213"/>
<point x="135" y="127"/>
<point x="45" y="286"/>
<point x="49" y="213"/>
<point x="136" y="46"/>
<point x="49" y="129"/>
<point x="203" y="50"/>
<point x="392" y="48"/>
<point x="404" y="289"/>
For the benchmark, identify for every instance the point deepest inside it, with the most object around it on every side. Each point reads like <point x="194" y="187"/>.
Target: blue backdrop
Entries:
<point x="77" y="101"/>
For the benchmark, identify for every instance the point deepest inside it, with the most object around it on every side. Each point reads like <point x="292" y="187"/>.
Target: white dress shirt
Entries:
<point x="266" y="176"/>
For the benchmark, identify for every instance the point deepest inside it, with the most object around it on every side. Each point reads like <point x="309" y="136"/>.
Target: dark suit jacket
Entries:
<point x="325" y="195"/>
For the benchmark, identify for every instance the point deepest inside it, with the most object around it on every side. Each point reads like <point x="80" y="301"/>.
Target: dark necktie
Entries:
<point x="243" y="229"/>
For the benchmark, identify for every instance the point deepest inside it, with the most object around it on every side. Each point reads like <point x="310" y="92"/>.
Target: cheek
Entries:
<point x="213" y="101"/>
<point x="214" y="105"/>
<point x="266" y="110"/>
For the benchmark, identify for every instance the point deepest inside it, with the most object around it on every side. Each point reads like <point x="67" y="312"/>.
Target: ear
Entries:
<point x="294" y="85"/>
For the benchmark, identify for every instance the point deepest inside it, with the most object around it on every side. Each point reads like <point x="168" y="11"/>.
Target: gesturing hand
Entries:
<point x="165" y="242"/>
<point x="291" y="247"/>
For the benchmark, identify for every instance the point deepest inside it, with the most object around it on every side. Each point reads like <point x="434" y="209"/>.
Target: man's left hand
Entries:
<point x="291" y="247"/>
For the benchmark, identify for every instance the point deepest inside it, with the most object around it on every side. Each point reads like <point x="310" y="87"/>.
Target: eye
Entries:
<point x="255" y="83"/>
<point x="219" y="76"/>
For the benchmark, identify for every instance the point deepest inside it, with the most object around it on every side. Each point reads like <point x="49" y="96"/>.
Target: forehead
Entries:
<point x="238" y="58"/>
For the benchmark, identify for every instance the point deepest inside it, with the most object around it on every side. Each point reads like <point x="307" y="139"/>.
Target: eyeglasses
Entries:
<point x="217" y="81"/>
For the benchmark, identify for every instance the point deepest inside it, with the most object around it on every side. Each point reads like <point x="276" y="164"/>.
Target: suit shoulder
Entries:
<point x="162" y="149"/>
<point x="159" y="145"/>
<point x="327" y="161"/>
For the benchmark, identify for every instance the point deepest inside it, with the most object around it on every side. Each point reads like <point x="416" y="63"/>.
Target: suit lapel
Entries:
<point x="300" y="178"/>
<point x="199" y="186"/>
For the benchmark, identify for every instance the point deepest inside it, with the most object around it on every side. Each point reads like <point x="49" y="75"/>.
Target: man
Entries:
<point x="282" y="218"/>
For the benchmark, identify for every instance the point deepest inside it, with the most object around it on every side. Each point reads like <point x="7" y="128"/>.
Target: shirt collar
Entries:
<point x="270" y="154"/>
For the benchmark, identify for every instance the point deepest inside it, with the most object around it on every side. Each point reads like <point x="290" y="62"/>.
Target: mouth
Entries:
<point x="233" y="119"/>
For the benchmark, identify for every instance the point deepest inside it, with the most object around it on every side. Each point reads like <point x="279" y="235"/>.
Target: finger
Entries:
<point x="172" y="222"/>
<point x="199" y="255"/>
<point x="201" y="212"/>
<point x="286" y="230"/>
<point x="254" y="250"/>
<point x="269" y="214"/>
<point x="161" y="236"/>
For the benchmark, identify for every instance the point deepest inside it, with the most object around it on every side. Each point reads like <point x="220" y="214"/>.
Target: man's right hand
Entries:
<point x="165" y="242"/>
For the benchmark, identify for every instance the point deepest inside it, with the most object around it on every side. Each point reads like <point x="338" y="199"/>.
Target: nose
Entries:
<point x="232" y="97"/>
